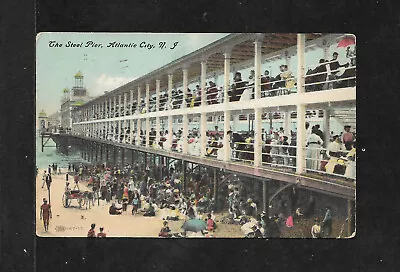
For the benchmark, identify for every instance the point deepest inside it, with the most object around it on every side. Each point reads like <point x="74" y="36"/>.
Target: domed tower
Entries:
<point x="42" y="121"/>
<point x="66" y="95"/>
<point x="78" y="91"/>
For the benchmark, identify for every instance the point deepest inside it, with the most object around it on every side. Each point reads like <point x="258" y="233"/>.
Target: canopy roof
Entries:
<point x="42" y="114"/>
<point x="241" y="47"/>
<point x="79" y="74"/>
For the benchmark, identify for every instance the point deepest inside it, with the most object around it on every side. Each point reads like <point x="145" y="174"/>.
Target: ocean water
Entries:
<point x="50" y="155"/>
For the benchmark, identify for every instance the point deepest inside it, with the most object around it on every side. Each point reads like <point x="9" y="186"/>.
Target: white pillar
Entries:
<point x="157" y="94"/>
<point x="226" y="143"/>
<point x="185" y="120"/>
<point x="203" y="82"/>
<point x="147" y="97"/>
<point x="138" y="129"/>
<point x="109" y="108"/>
<point x="257" y="69"/>
<point x="147" y="110"/>
<point x="131" y="98"/>
<point x="119" y="106"/>
<point x="287" y="123"/>
<point x="169" y="91"/>
<point x="325" y="47"/>
<point x="185" y="86"/>
<point x="257" y="111"/>
<point x="170" y="132"/>
<point x="301" y="108"/>
<point x="287" y="62"/>
<point x="227" y="70"/>
<point x="125" y="103"/>
<point x="131" y="130"/>
<point x="227" y="113"/>
<point x="326" y="127"/>
<point x="185" y="132"/>
<point x="157" y="109"/>
<point x="139" y="98"/>
<point x="124" y="123"/>
<point x="115" y="122"/>
<point x="203" y="130"/>
<point x="170" y="117"/>
<point x="257" y="137"/>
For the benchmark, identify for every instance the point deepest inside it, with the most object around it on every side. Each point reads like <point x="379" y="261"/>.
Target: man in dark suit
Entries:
<point x="334" y="65"/>
<point x="237" y="88"/>
<point x="48" y="181"/>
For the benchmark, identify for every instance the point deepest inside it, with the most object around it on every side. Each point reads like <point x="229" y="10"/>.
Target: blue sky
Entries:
<point x="102" y="69"/>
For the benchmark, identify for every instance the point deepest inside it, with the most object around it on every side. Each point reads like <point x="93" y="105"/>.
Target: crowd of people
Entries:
<point x="142" y="190"/>
<point x="327" y="75"/>
<point x="279" y="147"/>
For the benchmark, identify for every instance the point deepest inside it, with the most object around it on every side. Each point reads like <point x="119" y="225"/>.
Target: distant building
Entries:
<point x="42" y="124"/>
<point x="77" y="96"/>
<point x="54" y="121"/>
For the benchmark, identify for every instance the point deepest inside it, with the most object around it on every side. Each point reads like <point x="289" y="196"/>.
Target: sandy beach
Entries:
<point x="68" y="222"/>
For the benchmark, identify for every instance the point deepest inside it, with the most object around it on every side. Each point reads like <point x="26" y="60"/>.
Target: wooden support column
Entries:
<point x="114" y="155"/>
<point x="101" y="153"/>
<point x="123" y="157"/>
<point x="184" y="176"/>
<point x="265" y="198"/>
<point x="350" y="221"/>
<point x="97" y="151"/>
<point x="215" y="190"/>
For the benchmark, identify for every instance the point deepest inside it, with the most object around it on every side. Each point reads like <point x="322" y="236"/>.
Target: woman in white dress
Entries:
<point x="351" y="163"/>
<point x="314" y="144"/>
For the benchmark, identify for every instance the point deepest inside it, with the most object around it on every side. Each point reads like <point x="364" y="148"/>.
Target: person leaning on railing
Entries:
<point x="212" y="93"/>
<point x="237" y="88"/>
<point x="334" y="66"/>
<point x="265" y="85"/>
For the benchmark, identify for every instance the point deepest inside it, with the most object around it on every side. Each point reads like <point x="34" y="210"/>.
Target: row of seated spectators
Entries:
<point x="330" y="74"/>
<point x="327" y="72"/>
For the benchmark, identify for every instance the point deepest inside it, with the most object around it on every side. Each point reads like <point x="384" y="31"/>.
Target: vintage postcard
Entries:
<point x="178" y="135"/>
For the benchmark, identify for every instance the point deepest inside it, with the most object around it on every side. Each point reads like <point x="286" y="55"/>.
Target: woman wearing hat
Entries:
<point x="164" y="232"/>
<point x="91" y="232"/>
<point x="101" y="234"/>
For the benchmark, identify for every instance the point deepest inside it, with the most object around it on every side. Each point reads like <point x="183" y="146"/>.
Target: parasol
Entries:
<point x="194" y="225"/>
<point x="347" y="41"/>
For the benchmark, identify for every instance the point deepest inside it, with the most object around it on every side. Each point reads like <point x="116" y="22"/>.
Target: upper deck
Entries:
<point x="176" y="122"/>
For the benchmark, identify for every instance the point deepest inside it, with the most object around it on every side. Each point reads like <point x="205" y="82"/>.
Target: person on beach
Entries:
<point x="210" y="223"/>
<point x="135" y="204"/>
<point x="101" y="234"/>
<point x="49" y="169"/>
<point x="114" y="210"/>
<point x="327" y="222"/>
<point x="48" y="181"/>
<point x="165" y="230"/>
<point x="92" y="233"/>
<point x="45" y="213"/>
<point x="316" y="229"/>
<point x="76" y="179"/>
<point x="59" y="171"/>
<point x="150" y="211"/>
<point x="44" y="178"/>
<point x="66" y="177"/>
